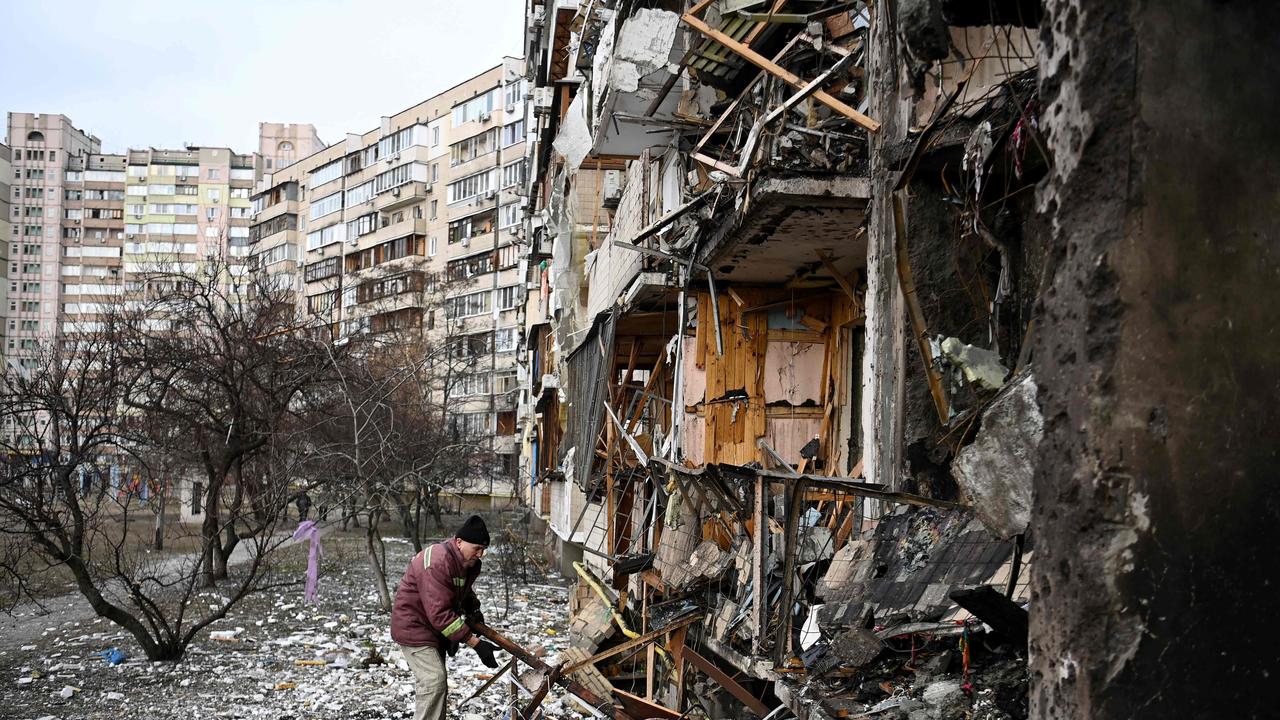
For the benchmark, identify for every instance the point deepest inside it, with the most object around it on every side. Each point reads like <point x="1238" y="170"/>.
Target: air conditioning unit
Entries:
<point x="129" y="236"/>
<point x="510" y="109"/>
<point x="483" y="117"/>
<point x="466" y="241"/>
<point x="428" y="187"/>
<point x="490" y="194"/>
<point x="539" y="16"/>
<point x="388" y="160"/>
<point x="395" y="192"/>
<point x="513" y="230"/>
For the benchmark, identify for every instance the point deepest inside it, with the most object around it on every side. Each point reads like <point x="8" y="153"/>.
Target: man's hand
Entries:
<point x="486" y="650"/>
<point x="475" y="617"/>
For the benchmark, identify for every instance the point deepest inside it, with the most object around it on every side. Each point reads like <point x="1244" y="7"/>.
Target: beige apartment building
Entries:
<point x="184" y="206"/>
<point x="416" y="226"/>
<point x="6" y="232"/>
<point x="86" y="228"/>
<point x="43" y="147"/>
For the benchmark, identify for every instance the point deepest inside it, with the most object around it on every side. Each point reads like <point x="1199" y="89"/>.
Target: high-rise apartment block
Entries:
<point x="415" y="226"/>
<point x="5" y="234"/>
<point x="43" y="149"/>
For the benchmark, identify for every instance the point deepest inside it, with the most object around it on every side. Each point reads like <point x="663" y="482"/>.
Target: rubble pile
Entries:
<point x="277" y="657"/>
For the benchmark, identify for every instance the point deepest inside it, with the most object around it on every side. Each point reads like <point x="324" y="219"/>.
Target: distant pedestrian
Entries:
<point x="304" y="506"/>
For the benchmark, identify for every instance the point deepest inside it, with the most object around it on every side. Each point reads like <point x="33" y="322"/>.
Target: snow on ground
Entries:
<point x="277" y="656"/>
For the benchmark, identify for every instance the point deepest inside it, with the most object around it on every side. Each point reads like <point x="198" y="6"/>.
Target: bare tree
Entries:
<point x="391" y="440"/>
<point x="221" y="360"/>
<point x="67" y="425"/>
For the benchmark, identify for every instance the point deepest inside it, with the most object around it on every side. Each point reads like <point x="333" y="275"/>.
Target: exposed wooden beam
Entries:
<point x="722" y="678"/>
<point x="601" y="704"/>
<point x="631" y="644"/>
<point x="745" y="91"/>
<point x="840" y="278"/>
<point x="781" y="73"/>
<point x="649" y="710"/>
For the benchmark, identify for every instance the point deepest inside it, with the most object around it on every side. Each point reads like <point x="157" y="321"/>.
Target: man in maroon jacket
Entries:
<point x="433" y="605"/>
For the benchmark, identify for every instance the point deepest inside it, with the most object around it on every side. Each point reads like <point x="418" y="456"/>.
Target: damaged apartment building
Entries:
<point x="814" y="299"/>
<point x="780" y="409"/>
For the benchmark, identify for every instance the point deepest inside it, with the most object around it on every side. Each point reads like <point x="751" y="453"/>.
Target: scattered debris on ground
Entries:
<point x="276" y="657"/>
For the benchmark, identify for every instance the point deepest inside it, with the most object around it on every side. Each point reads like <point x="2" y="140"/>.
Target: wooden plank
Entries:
<point x="814" y="324"/>
<point x="631" y="644"/>
<point x="757" y="421"/>
<point x="700" y="332"/>
<point x="841" y="280"/>
<point x="722" y="678"/>
<point x="676" y="647"/>
<point x="531" y="708"/>
<point x="716" y="164"/>
<point x="650" y="662"/>
<point x="760" y="26"/>
<point x="779" y="72"/>
<point x="645" y="708"/>
<point x="602" y="704"/>
<point x="794" y="336"/>
<point x="846" y="527"/>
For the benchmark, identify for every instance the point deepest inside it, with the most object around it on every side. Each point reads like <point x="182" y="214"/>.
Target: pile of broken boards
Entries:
<point x="925" y="619"/>
<point x="922" y="616"/>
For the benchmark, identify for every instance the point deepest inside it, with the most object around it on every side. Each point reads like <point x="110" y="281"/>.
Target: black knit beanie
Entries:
<point x="474" y="531"/>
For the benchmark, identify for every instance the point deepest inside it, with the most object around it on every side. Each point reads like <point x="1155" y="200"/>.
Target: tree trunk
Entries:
<point x="154" y="648"/>
<point x="372" y="541"/>
<point x="222" y="556"/>
<point x="157" y="537"/>
<point x="417" y="521"/>
<point x="434" y="504"/>
<point x="209" y="542"/>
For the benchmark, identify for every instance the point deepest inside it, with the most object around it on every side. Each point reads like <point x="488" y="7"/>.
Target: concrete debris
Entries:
<point x="643" y="45"/>
<point x="980" y="367"/>
<point x="856" y="647"/>
<point x="709" y="562"/>
<point x="996" y="469"/>
<point x="943" y="700"/>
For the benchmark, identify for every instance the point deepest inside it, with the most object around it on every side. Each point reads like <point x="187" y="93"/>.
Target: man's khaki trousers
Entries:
<point x="430" y="681"/>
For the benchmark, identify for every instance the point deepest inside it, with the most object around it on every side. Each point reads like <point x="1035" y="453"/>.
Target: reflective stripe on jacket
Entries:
<point x="433" y="597"/>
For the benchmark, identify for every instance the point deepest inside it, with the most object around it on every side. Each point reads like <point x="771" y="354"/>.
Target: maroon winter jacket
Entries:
<point x="433" y="596"/>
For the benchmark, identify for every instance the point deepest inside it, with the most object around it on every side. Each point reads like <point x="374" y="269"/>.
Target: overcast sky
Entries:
<point x="141" y="73"/>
